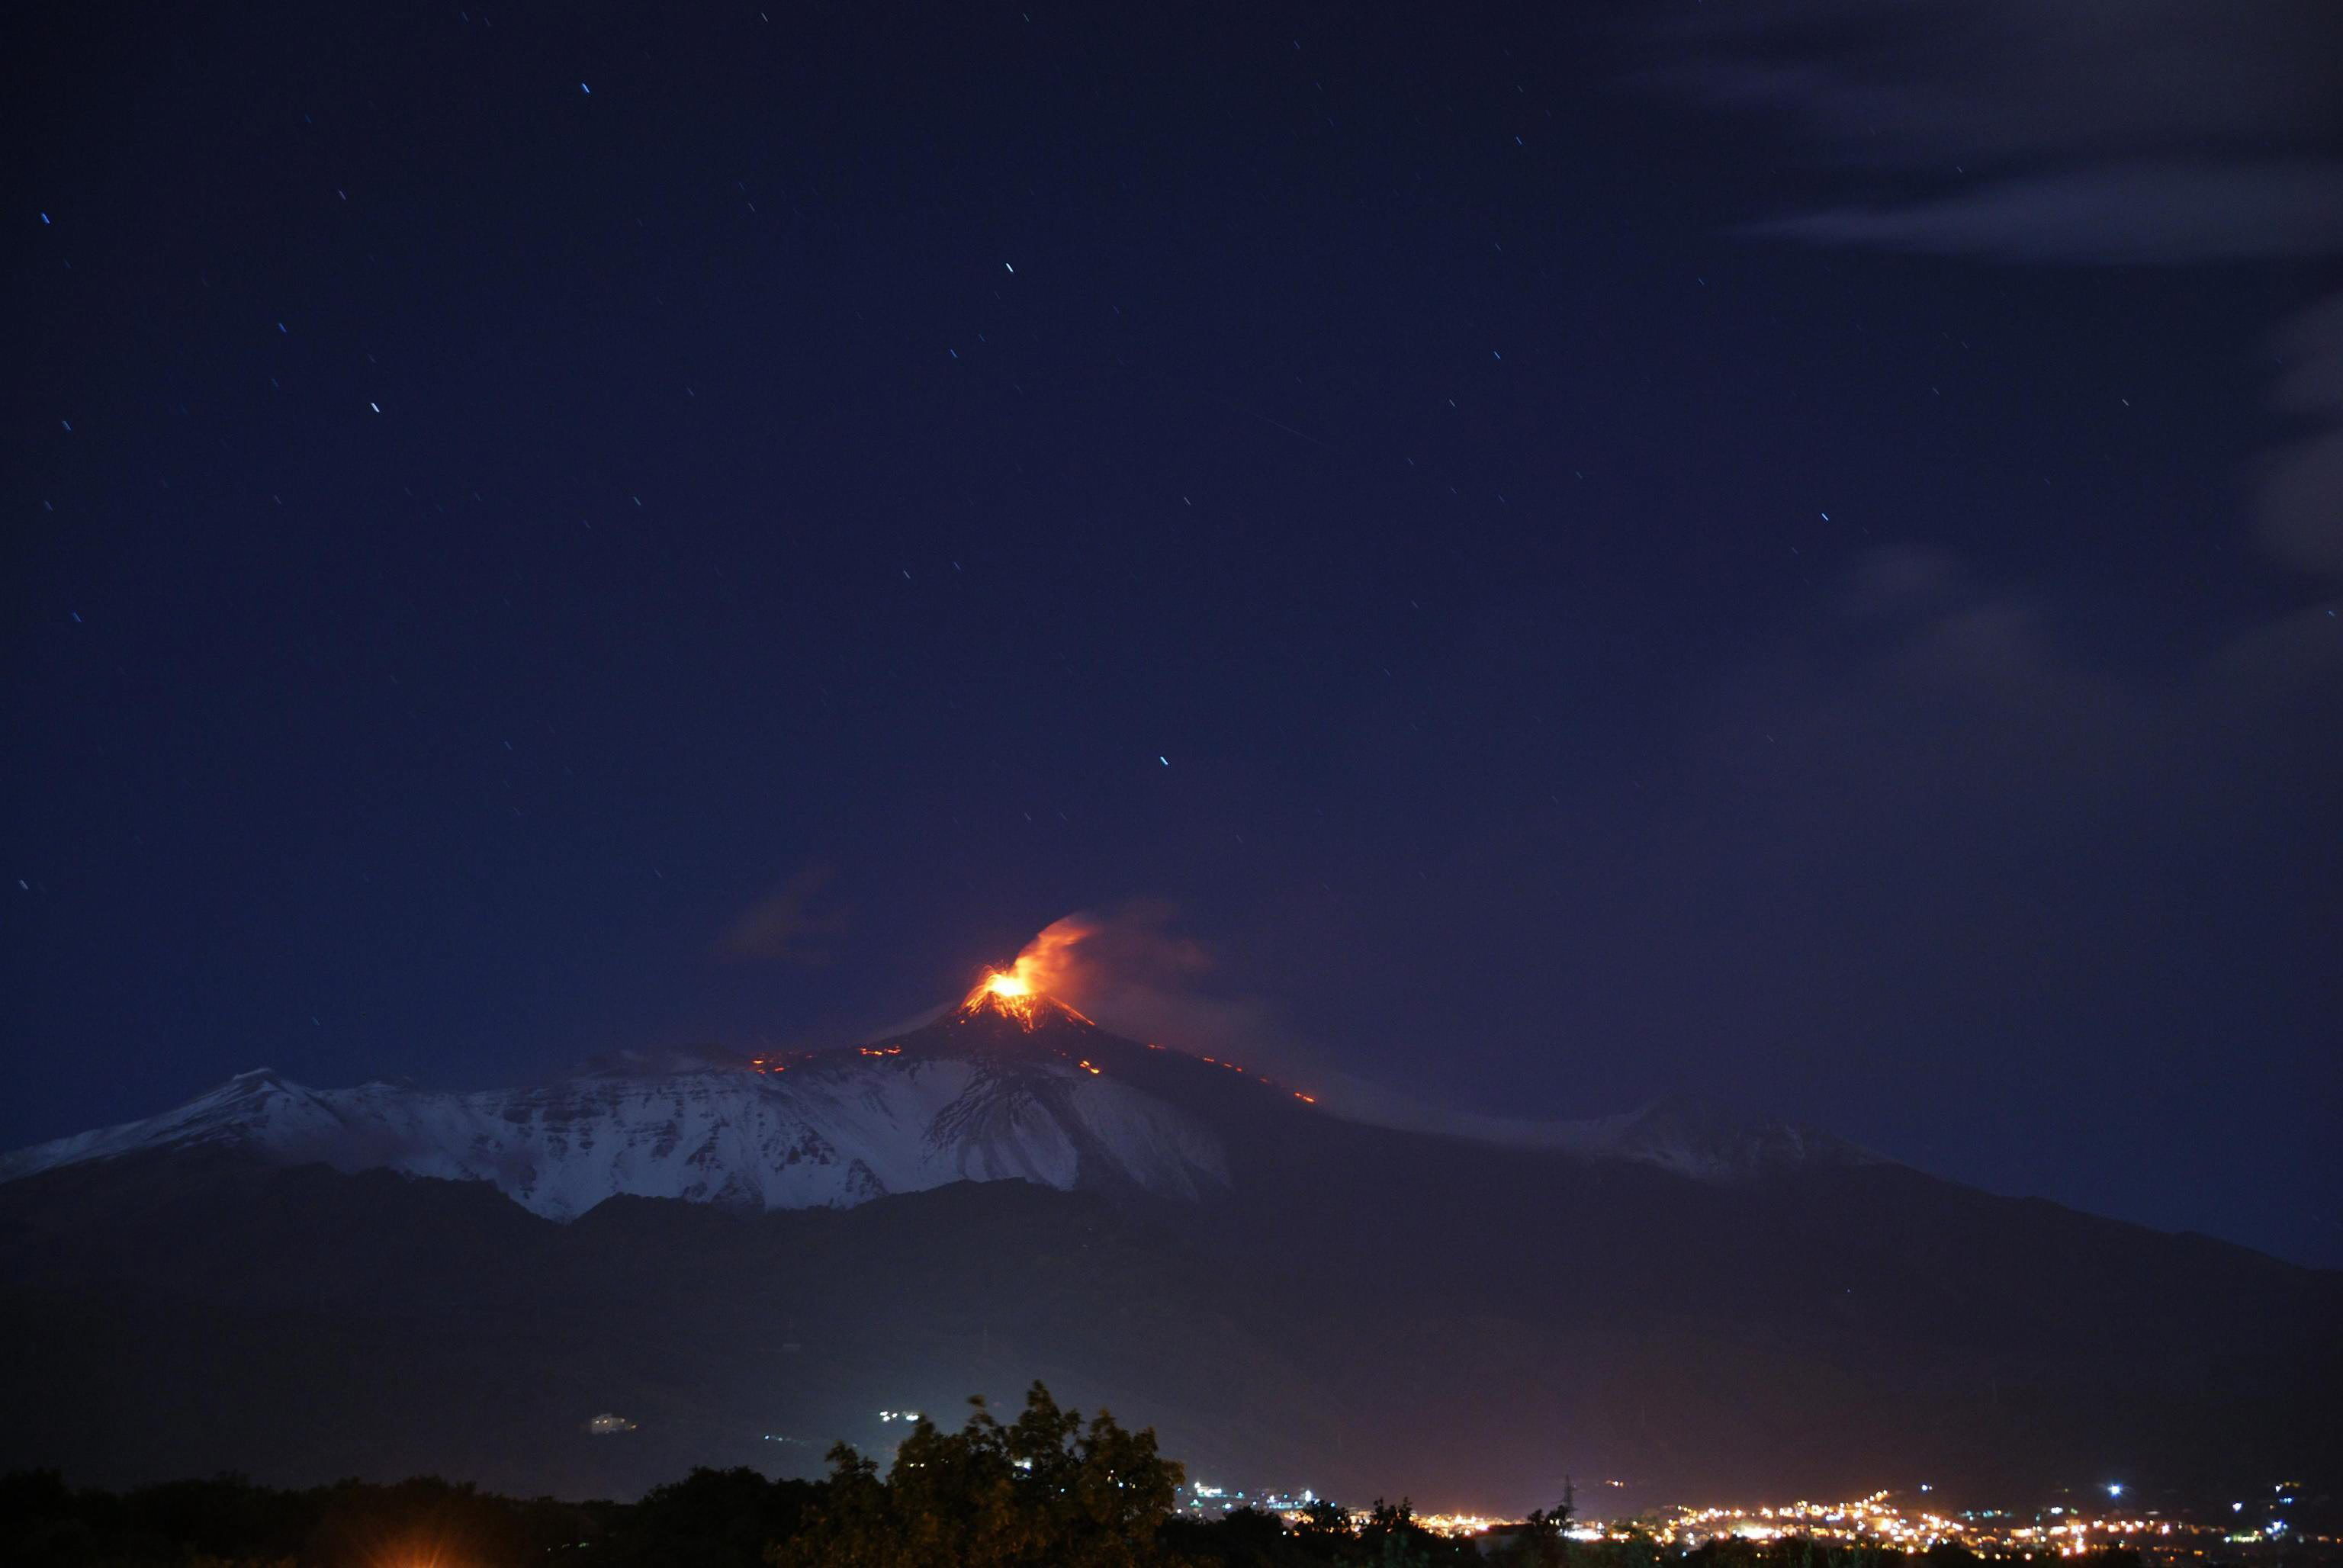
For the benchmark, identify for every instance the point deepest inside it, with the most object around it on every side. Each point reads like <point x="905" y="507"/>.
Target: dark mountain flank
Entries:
<point x="743" y="1260"/>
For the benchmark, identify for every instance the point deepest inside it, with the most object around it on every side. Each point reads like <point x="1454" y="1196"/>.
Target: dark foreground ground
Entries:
<point x="740" y="1519"/>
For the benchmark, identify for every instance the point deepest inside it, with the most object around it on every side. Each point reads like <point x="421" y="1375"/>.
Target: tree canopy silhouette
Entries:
<point x="1045" y="1489"/>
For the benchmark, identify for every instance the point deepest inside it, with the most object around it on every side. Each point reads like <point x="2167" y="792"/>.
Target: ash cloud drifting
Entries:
<point x="1131" y="970"/>
<point x="1135" y="975"/>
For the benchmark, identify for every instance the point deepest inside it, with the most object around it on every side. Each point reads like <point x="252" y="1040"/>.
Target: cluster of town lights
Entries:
<point x="1879" y="1521"/>
<point x="1876" y="1521"/>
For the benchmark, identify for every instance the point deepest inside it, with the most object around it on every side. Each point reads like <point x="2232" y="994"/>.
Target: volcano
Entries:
<point x="743" y="1257"/>
<point x="980" y="1095"/>
<point x="1010" y="1085"/>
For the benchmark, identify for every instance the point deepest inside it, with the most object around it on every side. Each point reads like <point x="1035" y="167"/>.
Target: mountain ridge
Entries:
<point x="747" y="1257"/>
<point x="981" y="1093"/>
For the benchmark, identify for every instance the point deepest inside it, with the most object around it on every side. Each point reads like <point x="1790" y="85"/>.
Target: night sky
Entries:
<point x="1538" y="557"/>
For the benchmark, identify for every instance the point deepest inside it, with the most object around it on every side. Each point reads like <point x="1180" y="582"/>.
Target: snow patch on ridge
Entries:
<point x="827" y="1134"/>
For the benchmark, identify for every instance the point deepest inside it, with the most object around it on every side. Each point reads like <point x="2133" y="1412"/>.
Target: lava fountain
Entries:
<point x="1026" y="990"/>
<point x="1011" y="995"/>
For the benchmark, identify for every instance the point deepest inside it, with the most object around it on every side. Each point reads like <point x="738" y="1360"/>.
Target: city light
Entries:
<point x="1878" y="1520"/>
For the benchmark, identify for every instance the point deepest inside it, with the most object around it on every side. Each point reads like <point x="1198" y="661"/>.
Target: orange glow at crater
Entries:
<point x="1012" y="993"/>
<point x="1003" y="991"/>
<point x="1028" y="991"/>
<point x="1053" y="967"/>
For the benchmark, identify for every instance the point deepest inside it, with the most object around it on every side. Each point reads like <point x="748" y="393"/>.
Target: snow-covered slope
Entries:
<point x="1028" y="1090"/>
<point x="831" y="1131"/>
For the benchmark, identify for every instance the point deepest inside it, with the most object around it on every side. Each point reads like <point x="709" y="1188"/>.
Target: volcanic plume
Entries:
<point x="1130" y="969"/>
<point x="1009" y="993"/>
<point x="1043" y="970"/>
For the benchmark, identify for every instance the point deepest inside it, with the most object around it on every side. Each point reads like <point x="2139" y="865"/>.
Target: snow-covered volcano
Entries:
<point x="1002" y="1088"/>
<point x="1292" y="1282"/>
<point x="969" y="1098"/>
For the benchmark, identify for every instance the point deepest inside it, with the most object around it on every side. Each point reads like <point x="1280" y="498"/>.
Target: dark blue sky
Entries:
<point x="1580" y="557"/>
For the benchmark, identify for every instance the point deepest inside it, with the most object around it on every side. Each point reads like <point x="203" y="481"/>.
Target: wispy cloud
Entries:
<point x="1993" y="85"/>
<point x="2300" y="486"/>
<point x="2142" y="213"/>
<point x="2074" y="133"/>
<point x="792" y="924"/>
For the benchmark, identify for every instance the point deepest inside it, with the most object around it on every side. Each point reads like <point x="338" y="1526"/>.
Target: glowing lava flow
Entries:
<point x="1009" y="993"/>
<point x="1046" y="969"/>
<point x="1049" y="963"/>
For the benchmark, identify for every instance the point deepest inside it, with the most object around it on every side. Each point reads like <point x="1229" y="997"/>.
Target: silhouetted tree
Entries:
<point x="1323" y="1532"/>
<point x="1241" y="1538"/>
<point x="710" y="1518"/>
<point x="1043" y="1490"/>
<point x="1541" y="1539"/>
<point x="1390" y="1538"/>
<point x="1640" y="1549"/>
